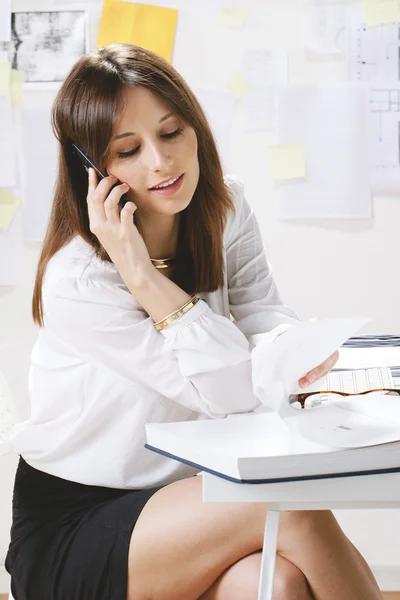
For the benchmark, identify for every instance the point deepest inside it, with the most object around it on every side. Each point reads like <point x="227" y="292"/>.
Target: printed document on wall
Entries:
<point x="331" y="123"/>
<point x="11" y="249"/>
<point x="374" y="57"/>
<point x="39" y="165"/>
<point x="7" y="146"/>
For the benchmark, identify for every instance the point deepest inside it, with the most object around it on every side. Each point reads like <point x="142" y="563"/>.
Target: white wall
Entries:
<point x="322" y="268"/>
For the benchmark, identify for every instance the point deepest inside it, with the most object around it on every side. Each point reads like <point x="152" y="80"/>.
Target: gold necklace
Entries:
<point x="162" y="263"/>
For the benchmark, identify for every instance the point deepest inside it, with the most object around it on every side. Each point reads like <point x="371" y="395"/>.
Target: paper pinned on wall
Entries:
<point x="17" y="82"/>
<point x="287" y="162"/>
<point x="334" y="130"/>
<point x="7" y="145"/>
<point x="5" y="77"/>
<point x="219" y="107"/>
<point x="259" y="110"/>
<point x="9" y="205"/>
<point x="11" y="249"/>
<point x="237" y="85"/>
<point x="263" y="68"/>
<point x="5" y="21"/>
<point x="152" y="27"/>
<point x="39" y="155"/>
<point x="379" y="12"/>
<point x="233" y="18"/>
<point x="325" y="30"/>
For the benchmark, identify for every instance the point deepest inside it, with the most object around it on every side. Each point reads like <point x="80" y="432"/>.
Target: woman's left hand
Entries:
<point x="320" y="371"/>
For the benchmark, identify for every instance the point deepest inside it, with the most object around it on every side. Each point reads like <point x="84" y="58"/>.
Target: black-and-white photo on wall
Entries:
<point x="45" y="45"/>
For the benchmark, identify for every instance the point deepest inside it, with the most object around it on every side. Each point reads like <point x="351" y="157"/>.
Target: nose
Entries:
<point x="156" y="157"/>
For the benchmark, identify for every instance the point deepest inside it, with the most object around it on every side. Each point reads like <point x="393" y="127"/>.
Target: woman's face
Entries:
<point x="152" y="147"/>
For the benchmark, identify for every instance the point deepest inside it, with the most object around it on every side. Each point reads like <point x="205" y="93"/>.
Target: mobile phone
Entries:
<point x="87" y="163"/>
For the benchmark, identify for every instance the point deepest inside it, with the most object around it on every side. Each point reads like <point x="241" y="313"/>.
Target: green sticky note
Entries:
<point x="9" y="205"/>
<point x="5" y="78"/>
<point x="237" y="85"/>
<point x="233" y="17"/>
<point x="17" y="81"/>
<point x="381" y="12"/>
<point x="288" y="161"/>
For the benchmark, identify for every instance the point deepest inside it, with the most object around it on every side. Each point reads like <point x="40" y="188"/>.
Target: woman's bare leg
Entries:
<point x="180" y="546"/>
<point x="241" y="580"/>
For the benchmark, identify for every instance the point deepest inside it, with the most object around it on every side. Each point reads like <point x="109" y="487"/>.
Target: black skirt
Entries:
<point x="70" y="541"/>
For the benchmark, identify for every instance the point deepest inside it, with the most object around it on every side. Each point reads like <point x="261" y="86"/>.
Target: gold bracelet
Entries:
<point x="177" y="314"/>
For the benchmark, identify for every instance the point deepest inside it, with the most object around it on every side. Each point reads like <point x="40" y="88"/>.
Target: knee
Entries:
<point x="298" y="527"/>
<point x="290" y="584"/>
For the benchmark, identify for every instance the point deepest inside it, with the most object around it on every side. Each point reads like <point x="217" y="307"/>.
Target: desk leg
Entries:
<point x="269" y="555"/>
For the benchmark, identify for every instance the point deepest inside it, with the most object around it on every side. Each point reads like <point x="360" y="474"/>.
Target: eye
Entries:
<point x="173" y="134"/>
<point x="129" y="153"/>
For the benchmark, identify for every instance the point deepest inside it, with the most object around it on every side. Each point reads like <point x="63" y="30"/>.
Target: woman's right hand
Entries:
<point x="115" y="230"/>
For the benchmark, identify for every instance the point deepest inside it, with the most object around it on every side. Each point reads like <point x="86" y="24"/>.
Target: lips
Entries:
<point x="166" y="182"/>
<point x="171" y="189"/>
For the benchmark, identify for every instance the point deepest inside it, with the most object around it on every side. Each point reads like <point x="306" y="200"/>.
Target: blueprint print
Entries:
<point x="374" y="58"/>
<point x="45" y="45"/>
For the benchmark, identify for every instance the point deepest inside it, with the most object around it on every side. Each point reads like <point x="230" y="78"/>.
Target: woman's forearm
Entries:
<point x="158" y="295"/>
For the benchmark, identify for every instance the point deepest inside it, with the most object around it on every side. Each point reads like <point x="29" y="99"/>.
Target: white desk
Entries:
<point x="363" y="491"/>
<point x="371" y="491"/>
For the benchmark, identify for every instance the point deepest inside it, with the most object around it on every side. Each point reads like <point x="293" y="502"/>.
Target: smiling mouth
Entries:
<point x="167" y="184"/>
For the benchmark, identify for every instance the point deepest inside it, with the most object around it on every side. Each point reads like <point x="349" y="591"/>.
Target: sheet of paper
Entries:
<point x="152" y="27"/>
<point x="47" y="43"/>
<point x="17" y="82"/>
<point x="259" y="110"/>
<point x="287" y="162"/>
<point x="233" y="18"/>
<point x="219" y="107"/>
<point x="365" y="358"/>
<point x="7" y="145"/>
<point x="263" y="68"/>
<point x="374" y="57"/>
<point x="9" y="205"/>
<point x="11" y="249"/>
<point x="39" y="166"/>
<point x="338" y="427"/>
<point x="278" y="367"/>
<point x="378" y="12"/>
<point x="5" y="20"/>
<point x="331" y="122"/>
<point x="5" y="78"/>
<point x="325" y="30"/>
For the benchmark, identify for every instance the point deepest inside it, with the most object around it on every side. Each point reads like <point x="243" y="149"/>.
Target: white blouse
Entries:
<point x="100" y="370"/>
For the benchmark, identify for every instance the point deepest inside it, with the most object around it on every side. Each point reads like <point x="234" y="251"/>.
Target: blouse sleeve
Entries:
<point x="201" y="361"/>
<point x="255" y="303"/>
<point x="254" y="300"/>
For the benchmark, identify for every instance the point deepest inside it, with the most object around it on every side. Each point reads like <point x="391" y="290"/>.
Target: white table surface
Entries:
<point x="353" y="492"/>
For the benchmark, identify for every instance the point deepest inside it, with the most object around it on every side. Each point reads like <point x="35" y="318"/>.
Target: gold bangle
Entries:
<point x="177" y="314"/>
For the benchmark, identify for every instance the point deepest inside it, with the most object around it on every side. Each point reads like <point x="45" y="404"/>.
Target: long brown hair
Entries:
<point x="85" y="113"/>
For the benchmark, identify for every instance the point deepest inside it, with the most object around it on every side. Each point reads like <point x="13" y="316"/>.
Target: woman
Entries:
<point x="134" y="302"/>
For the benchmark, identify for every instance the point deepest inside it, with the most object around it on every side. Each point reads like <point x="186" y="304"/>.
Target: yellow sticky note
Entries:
<point x="5" y="78"/>
<point x="380" y="12"/>
<point x="233" y="17"/>
<point x="288" y="161"/>
<point x="151" y="27"/>
<point x="17" y="81"/>
<point x="237" y="85"/>
<point x="9" y="204"/>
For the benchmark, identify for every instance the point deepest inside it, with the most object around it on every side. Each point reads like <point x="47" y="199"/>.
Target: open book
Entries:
<point x="355" y="435"/>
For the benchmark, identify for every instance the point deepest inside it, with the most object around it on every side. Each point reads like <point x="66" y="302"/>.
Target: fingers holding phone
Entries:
<point x="116" y="229"/>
